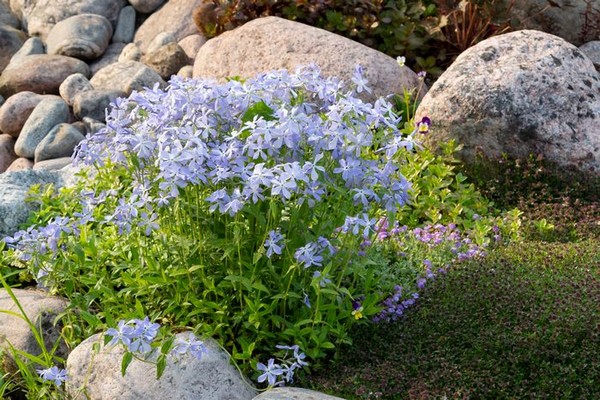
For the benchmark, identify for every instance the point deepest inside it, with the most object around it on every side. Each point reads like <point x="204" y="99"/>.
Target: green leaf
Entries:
<point x="260" y="109"/>
<point x="161" y="365"/>
<point x="127" y="358"/>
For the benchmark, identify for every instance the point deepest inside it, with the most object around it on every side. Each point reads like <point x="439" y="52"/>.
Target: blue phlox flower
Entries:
<point x="123" y="334"/>
<point x="54" y="374"/>
<point x="306" y="300"/>
<point x="273" y="243"/>
<point x="359" y="79"/>
<point x="190" y="345"/>
<point x="308" y="255"/>
<point x="270" y="372"/>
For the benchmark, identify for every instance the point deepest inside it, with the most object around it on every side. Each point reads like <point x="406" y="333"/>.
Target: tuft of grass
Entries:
<point x="524" y="323"/>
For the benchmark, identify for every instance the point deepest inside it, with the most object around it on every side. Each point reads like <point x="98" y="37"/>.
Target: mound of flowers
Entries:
<point x="253" y="212"/>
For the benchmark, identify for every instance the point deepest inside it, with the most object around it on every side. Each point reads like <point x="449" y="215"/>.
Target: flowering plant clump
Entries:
<point x="235" y="209"/>
<point x="422" y="254"/>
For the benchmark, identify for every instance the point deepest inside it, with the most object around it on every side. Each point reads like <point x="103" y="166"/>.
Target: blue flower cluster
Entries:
<point x="54" y="374"/>
<point x="137" y="335"/>
<point x="279" y="135"/>
<point x="278" y="374"/>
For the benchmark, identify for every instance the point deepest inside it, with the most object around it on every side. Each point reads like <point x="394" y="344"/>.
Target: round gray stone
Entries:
<point x="53" y="164"/>
<point x="160" y="40"/>
<point x="125" y="26"/>
<point x="33" y="45"/>
<point x="20" y="164"/>
<point x="126" y="76"/>
<point x="47" y="114"/>
<point x="59" y="142"/>
<point x="11" y="40"/>
<point x="212" y="377"/>
<point x="84" y="36"/>
<point x="39" y="73"/>
<point x="72" y="86"/>
<point x="167" y="60"/>
<point x="15" y="111"/>
<point x="14" y="187"/>
<point x="110" y="56"/>
<point x="7" y="151"/>
<point x="93" y="103"/>
<point x="146" y="6"/>
<point x="131" y="52"/>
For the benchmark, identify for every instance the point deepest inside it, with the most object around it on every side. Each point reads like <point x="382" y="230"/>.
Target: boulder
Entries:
<point x="274" y="43"/>
<point x="31" y="46"/>
<point x="576" y="21"/>
<point x="47" y="114"/>
<point x="520" y="93"/>
<point x="131" y="52"/>
<point x="186" y="71"/>
<point x="15" y="111"/>
<point x="191" y="44"/>
<point x="126" y="76"/>
<point x="110" y="56"/>
<point x="40" y="308"/>
<point x="292" y="393"/>
<point x="14" y="211"/>
<point x="7" y="17"/>
<point x="11" y="40"/>
<point x="54" y="164"/>
<point x="146" y="6"/>
<point x="39" y="73"/>
<point x="93" y="103"/>
<point x="160" y="40"/>
<point x="59" y="142"/>
<point x="92" y="125"/>
<point x="39" y="17"/>
<point x="7" y="151"/>
<point x="20" y="164"/>
<point x="125" y="26"/>
<point x="175" y="16"/>
<point x="166" y="60"/>
<point x="186" y="377"/>
<point x="592" y="51"/>
<point x="72" y="86"/>
<point x="84" y="36"/>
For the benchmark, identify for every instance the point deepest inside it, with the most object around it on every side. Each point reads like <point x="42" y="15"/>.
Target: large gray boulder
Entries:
<point x="41" y="309"/>
<point x="271" y="43"/>
<point x="520" y="93"/>
<point x="212" y="377"/>
<point x="14" y="187"/>
<point x="39" y="73"/>
<point x="83" y="36"/>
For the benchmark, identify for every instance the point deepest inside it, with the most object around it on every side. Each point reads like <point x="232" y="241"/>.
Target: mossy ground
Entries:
<point x="522" y="323"/>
